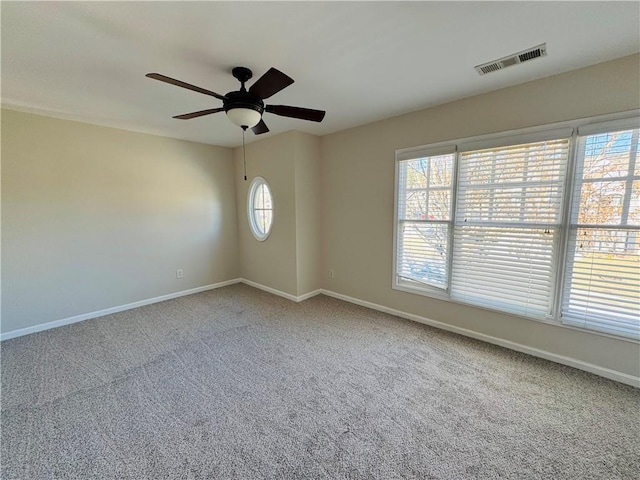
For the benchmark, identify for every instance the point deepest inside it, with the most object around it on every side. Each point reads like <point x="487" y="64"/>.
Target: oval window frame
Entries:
<point x="253" y="226"/>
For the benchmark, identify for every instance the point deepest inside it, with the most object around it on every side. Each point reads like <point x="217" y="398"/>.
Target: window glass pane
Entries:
<point x="439" y="204"/>
<point x="258" y="216"/>
<point x="266" y="194"/>
<point x="416" y="205"/>
<point x="416" y="173"/>
<point x="426" y="179"/>
<point x="267" y="219"/>
<point x="634" y="204"/>
<point x="607" y="155"/>
<point x="423" y="253"/>
<point x="601" y="203"/>
<point x="263" y="220"/>
<point x="258" y="200"/>
<point x="441" y="171"/>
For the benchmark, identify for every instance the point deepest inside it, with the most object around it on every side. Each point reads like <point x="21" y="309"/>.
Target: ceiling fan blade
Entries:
<point x="296" y="112"/>
<point x="179" y="83"/>
<point x="271" y="82"/>
<point x="260" y="128"/>
<point x="187" y="116"/>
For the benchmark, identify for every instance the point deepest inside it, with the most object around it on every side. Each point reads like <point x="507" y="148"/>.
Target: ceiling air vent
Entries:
<point x="516" y="58"/>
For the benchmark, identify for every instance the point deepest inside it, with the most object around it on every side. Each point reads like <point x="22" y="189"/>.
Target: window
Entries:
<point x="424" y="215"/>
<point x="602" y="284"/>
<point x="485" y="222"/>
<point x="507" y="227"/>
<point x="260" y="208"/>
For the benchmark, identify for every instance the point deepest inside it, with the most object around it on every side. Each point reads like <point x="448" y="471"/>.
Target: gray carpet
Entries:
<point x="237" y="383"/>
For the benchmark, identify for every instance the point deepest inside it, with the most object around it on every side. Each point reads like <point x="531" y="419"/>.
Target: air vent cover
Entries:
<point x="515" y="59"/>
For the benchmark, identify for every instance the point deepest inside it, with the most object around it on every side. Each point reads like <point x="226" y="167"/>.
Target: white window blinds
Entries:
<point x="602" y="281"/>
<point x="507" y="226"/>
<point x="424" y="199"/>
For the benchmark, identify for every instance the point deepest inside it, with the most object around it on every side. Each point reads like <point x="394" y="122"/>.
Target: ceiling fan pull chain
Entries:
<point x="244" y="154"/>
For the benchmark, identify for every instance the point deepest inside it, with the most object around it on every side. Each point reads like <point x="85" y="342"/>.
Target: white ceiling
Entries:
<point x="359" y="61"/>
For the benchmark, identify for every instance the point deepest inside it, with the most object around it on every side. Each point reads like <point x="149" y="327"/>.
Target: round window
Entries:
<point x="260" y="208"/>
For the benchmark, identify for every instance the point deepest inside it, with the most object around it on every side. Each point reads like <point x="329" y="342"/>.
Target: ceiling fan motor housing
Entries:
<point x="242" y="99"/>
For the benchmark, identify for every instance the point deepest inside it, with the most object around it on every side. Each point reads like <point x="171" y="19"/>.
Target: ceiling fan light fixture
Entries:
<point x="244" y="117"/>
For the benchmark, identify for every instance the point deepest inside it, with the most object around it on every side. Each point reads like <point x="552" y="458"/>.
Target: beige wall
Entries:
<point x="308" y="212"/>
<point x="272" y="262"/>
<point x="95" y="217"/>
<point x="357" y="172"/>
<point x="289" y="259"/>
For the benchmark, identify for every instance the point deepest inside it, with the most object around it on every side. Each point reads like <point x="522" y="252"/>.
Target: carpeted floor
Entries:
<point x="238" y="383"/>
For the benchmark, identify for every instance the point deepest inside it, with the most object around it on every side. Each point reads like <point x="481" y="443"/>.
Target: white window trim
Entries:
<point x="589" y="125"/>
<point x="255" y="183"/>
<point x="407" y="154"/>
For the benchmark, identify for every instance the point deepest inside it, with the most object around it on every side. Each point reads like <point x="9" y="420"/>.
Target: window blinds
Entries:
<point x="602" y="281"/>
<point x="507" y="226"/>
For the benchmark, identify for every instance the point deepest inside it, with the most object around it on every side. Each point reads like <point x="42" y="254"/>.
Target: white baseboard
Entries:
<point x="259" y="286"/>
<point x="108" y="311"/>
<point x="554" y="357"/>
<point x="306" y="296"/>
<point x="280" y="293"/>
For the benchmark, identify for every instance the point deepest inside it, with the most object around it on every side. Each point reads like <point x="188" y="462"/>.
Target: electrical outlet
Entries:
<point x="179" y="273"/>
<point x="332" y="274"/>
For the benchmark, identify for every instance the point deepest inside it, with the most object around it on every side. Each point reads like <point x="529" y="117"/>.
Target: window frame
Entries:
<point x="617" y="123"/>
<point x="598" y="124"/>
<point x="415" y="153"/>
<point x="253" y="226"/>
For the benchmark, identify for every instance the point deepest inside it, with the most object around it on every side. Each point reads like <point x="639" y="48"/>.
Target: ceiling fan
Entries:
<point x="245" y="107"/>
